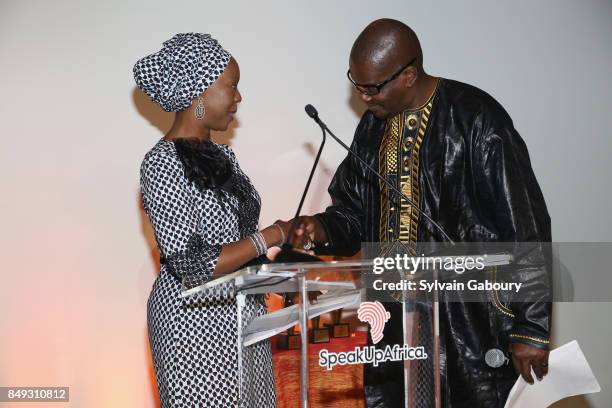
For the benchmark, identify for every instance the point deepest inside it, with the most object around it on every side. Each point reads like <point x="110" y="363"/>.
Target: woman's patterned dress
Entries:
<point x="194" y="339"/>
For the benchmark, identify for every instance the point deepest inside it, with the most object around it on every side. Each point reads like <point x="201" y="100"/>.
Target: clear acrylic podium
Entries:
<point x="343" y="285"/>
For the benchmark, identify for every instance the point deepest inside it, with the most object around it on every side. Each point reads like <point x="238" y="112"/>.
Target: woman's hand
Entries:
<point x="277" y="233"/>
<point x="236" y="254"/>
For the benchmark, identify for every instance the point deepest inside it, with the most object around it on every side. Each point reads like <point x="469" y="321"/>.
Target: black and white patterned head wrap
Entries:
<point x="186" y="65"/>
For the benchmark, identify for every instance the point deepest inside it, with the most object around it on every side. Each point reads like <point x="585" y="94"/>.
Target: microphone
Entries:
<point x="287" y="253"/>
<point x="312" y="112"/>
<point x="496" y="358"/>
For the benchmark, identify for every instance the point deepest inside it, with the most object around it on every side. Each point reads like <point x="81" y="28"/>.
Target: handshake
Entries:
<point x="302" y="234"/>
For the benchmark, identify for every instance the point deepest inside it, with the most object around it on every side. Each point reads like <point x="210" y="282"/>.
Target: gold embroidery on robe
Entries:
<point x="399" y="163"/>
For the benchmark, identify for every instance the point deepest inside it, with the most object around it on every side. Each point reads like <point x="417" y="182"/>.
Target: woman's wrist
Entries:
<point x="259" y="242"/>
<point x="273" y="235"/>
<point x="283" y="238"/>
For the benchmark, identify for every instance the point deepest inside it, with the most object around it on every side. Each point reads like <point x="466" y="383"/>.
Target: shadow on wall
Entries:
<point x="563" y="281"/>
<point x="162" y="120"/>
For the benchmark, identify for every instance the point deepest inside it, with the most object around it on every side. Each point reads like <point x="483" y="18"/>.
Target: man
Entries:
<point x="453" y="151"/>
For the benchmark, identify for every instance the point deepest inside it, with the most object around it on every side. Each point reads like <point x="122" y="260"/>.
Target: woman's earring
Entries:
<point x="199" y="111"/>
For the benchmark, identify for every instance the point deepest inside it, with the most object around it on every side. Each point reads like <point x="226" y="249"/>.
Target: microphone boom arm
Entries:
<point x="314" y="167"/>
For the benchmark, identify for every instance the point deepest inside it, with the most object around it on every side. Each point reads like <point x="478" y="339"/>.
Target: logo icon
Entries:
<point x="375" y="314"/>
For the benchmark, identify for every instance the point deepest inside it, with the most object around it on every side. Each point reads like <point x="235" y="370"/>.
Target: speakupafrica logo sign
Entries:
<point x="375" y="314"/>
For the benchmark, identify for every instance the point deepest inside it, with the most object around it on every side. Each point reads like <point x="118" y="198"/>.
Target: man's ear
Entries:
<point x="409" y="77"/>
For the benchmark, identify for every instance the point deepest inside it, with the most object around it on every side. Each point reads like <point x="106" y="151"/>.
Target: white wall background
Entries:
<point x="76" y="253"/>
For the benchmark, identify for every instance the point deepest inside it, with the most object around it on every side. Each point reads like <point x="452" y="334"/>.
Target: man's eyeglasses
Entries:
<point x="372" y="89"/>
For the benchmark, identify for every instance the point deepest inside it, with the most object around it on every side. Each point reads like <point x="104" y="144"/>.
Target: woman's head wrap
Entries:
<point x="186" y="65"/>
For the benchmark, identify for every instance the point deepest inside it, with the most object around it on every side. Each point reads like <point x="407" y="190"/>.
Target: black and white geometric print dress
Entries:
<point x="194" y="339"/>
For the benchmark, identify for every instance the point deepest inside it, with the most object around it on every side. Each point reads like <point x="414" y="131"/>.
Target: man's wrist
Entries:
<point x="321" y="236"/>
<point x="530" y="340"/>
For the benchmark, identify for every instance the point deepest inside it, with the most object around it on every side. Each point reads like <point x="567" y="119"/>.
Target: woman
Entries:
<point x="204" y="211"/>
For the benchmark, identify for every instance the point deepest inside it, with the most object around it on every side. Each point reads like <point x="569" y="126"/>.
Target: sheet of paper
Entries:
<point x="568" y="374"/>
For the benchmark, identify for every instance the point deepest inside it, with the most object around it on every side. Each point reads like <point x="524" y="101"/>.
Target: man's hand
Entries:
<point x="525" y="357"/>
<point x="307" y="230"/>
